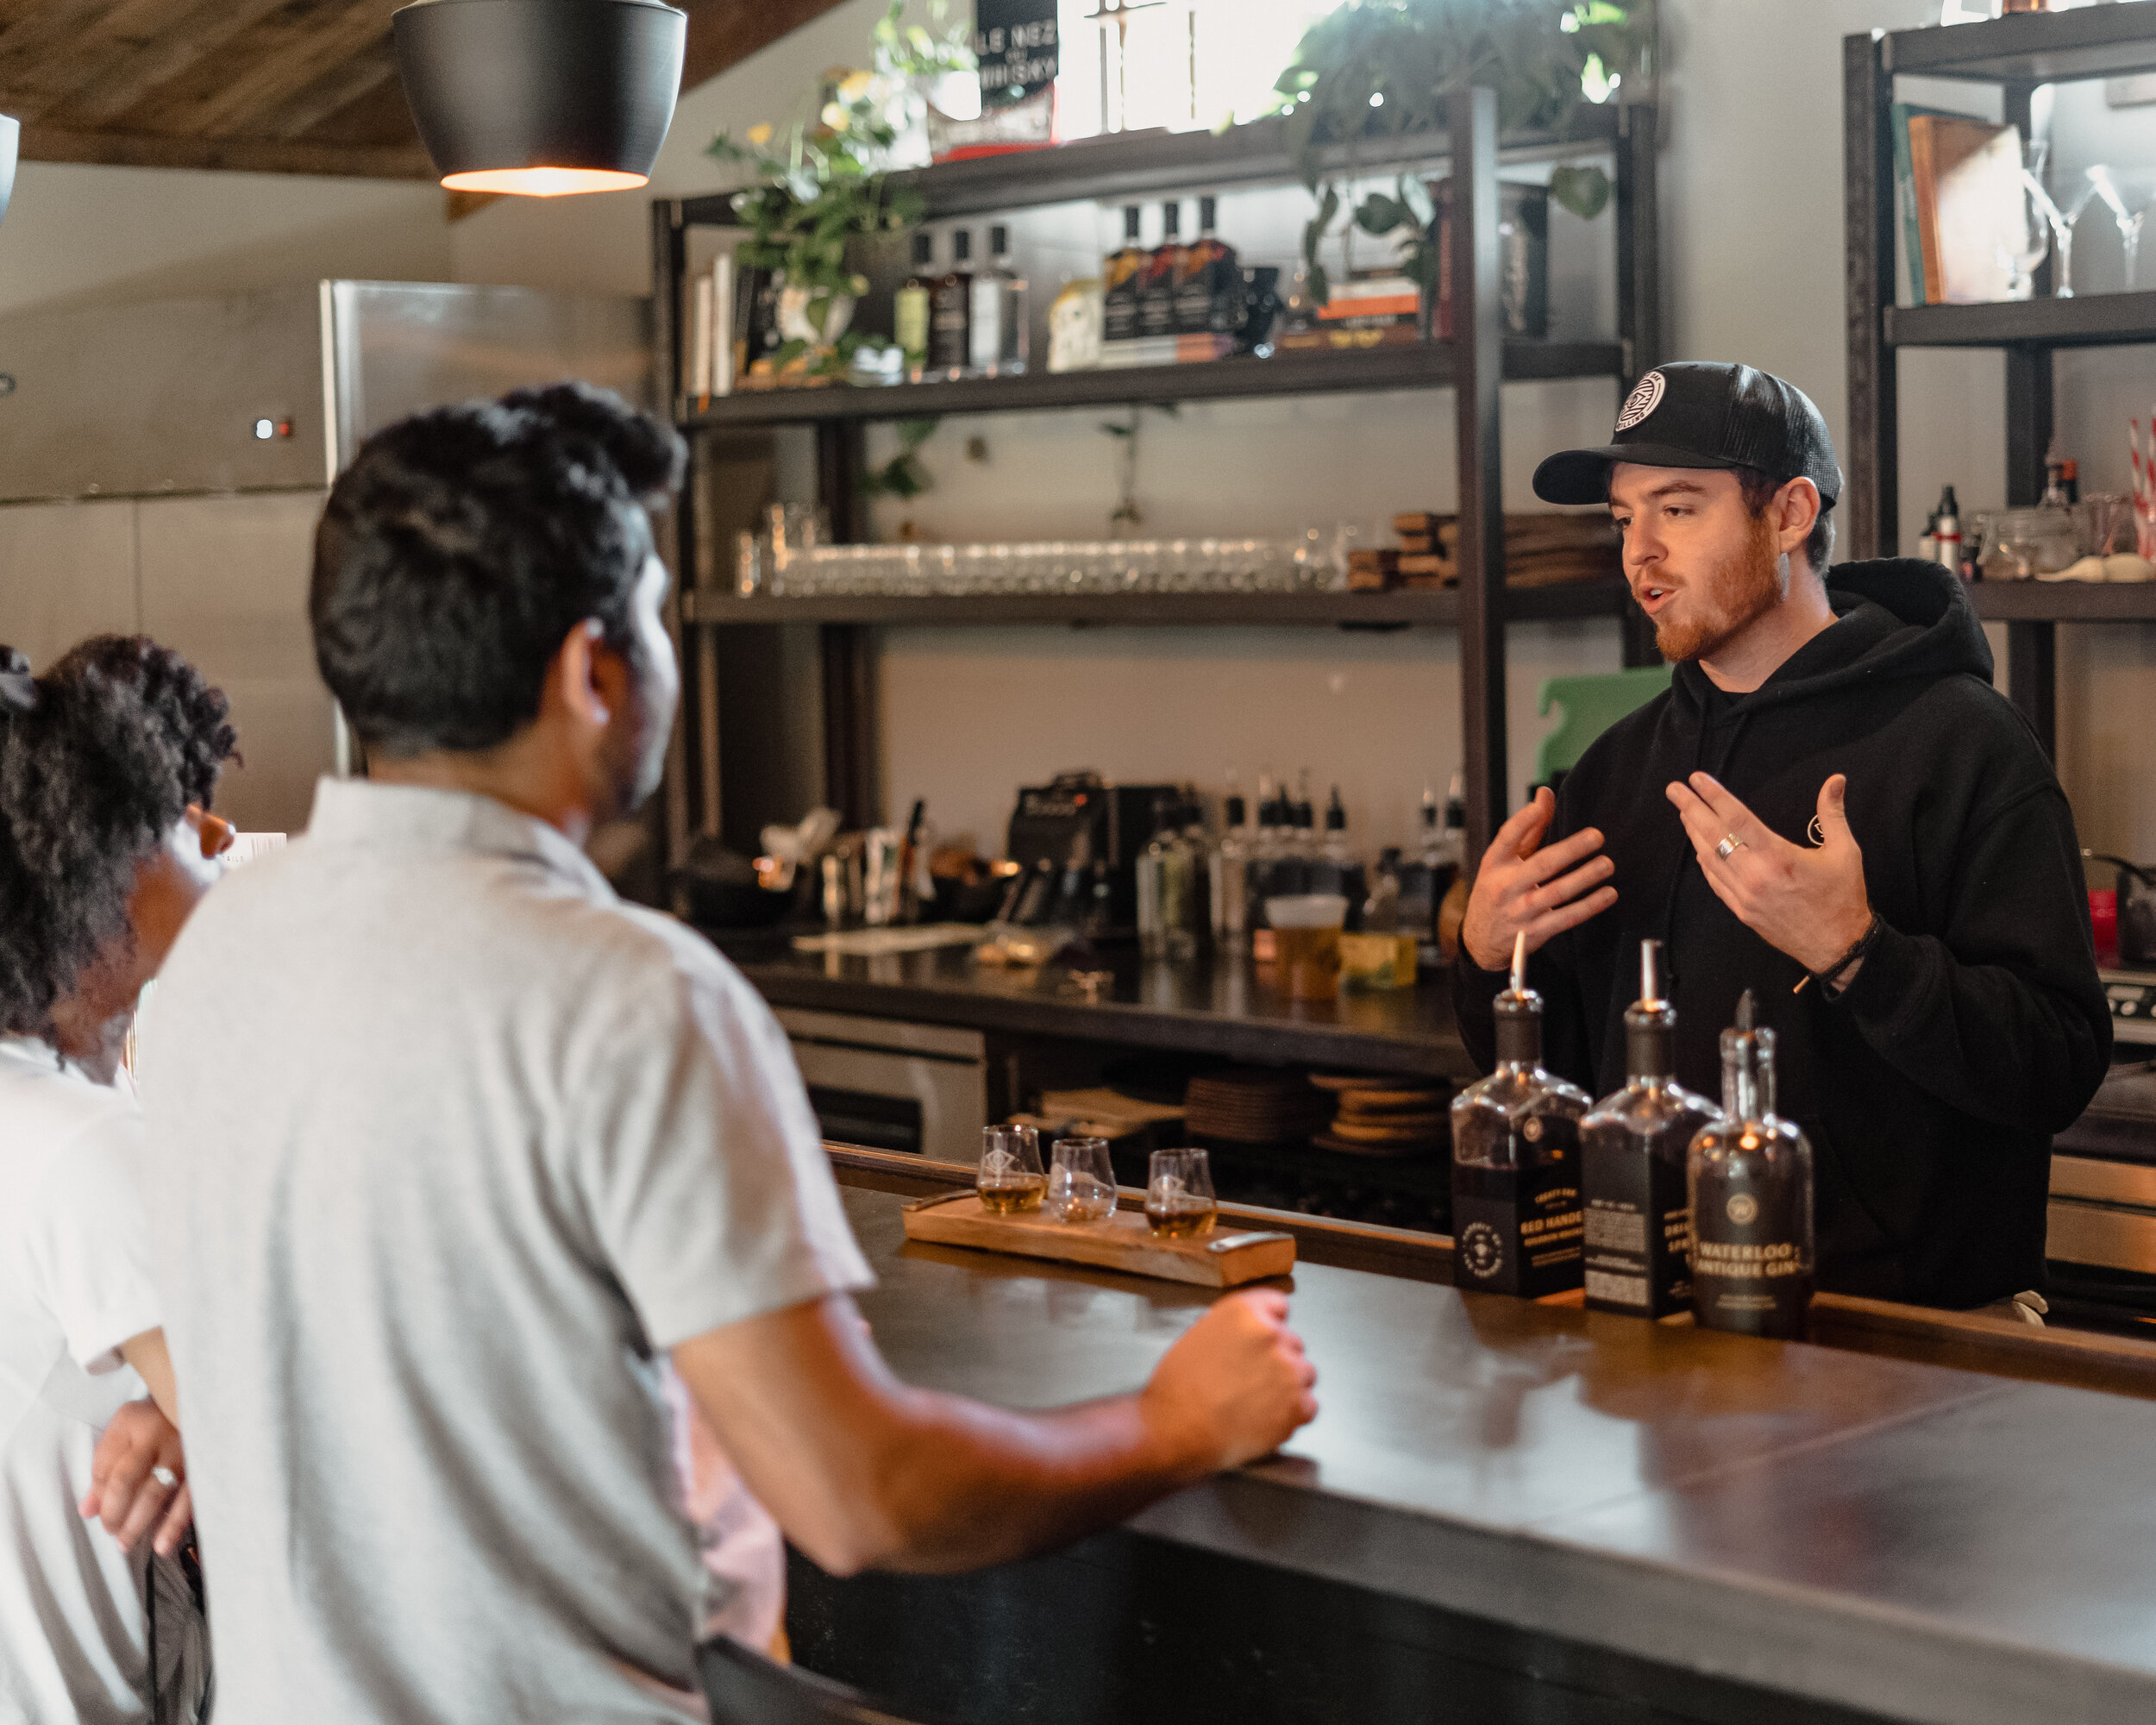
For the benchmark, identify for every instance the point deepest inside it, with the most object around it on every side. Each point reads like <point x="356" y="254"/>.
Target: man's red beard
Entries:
<point x="1728" y="602"/>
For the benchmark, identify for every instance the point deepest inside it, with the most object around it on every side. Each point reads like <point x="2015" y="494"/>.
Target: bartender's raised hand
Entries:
<point x="1235" y="1386"/>
<point x="1807" y="901"/>
<point x="1523" y="886"/>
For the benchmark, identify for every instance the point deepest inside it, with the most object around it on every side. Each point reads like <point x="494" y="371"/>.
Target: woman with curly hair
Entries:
<point x="107" y="763"/>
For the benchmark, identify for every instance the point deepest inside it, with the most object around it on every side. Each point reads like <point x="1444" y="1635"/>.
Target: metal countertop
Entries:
<point x="1924" y="1543"/>
<point x="1205" y="1007"/>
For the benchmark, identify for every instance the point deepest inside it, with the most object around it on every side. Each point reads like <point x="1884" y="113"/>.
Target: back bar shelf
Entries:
<point x="2017" y="54"/>
<point x="1473" y="367"/>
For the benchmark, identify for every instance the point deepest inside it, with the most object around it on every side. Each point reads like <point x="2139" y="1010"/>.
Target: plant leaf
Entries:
<point x="1583" y="191"/>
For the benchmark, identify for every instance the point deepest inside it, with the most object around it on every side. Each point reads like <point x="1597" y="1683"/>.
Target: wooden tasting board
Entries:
<point x="1226" y="1258"/>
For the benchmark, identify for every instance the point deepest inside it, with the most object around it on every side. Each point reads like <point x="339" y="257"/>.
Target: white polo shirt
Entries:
<point x="452" y="1146"/>
<point x="74" y="1284"/>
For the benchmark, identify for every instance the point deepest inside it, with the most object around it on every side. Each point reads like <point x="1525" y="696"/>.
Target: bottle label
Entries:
<point x="1637" y="1226"/>
<point x="909" y="318"/>
<point x="1119" y="312"/>
<point x="1518" y="1231"/>
<point x="1749" y="1273"/>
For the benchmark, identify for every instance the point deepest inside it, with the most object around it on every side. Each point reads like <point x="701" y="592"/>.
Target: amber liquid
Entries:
<point x="1179" y="1221"/>
<point x="1010" y="1197"/>
<point x="1309" y="961"/>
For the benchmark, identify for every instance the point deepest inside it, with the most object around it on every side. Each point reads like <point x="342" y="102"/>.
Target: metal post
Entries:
<point x="1870" y="504"/>
<point x="1478" y="360"/>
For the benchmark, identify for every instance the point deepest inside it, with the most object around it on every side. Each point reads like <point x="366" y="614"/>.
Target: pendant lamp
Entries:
<point x="541" y="98"/>
<point x="10" y="147"/>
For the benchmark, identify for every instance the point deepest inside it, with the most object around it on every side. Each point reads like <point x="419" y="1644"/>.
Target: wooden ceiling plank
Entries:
<point x="203" y="31"/>
<point x="283" y="73"/>
<point x="329" y="95"/>
<point x="242" y="155"/>
<point x="722" y="33"/>
<point x="35" y="52"/>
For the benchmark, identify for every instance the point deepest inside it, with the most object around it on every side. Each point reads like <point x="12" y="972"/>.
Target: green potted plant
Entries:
<point x="1383" y="68"/>
<point x="824" y="188"/>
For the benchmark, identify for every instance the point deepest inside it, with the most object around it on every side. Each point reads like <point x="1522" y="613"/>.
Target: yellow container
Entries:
<point x="1378" y="961"/>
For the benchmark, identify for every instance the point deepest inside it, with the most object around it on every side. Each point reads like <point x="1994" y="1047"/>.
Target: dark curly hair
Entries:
<point x="462" y="545"/>
<point x="120" y="736"/>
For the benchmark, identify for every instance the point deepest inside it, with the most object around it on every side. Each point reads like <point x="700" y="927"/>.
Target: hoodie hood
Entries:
<point x="1896" y="617"/>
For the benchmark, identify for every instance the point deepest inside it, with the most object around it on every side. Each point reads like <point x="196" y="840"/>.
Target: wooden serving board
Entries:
<point x="1226" y="1258"/>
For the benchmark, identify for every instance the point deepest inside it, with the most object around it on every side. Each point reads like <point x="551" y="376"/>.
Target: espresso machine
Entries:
<point x="1077" y="843"/>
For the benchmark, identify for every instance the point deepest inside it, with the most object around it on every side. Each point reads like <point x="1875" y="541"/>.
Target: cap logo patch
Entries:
<point x="1646" y="397"/>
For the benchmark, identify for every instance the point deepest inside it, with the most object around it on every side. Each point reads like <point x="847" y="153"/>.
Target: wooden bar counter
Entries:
<point x="1512" y="1511"/>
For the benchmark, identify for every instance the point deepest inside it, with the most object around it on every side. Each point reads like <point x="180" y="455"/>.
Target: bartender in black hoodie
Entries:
<point x="1833" y="807"/>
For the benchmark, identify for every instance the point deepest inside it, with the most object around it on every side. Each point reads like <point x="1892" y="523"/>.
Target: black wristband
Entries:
<point x="1864" y="943"/>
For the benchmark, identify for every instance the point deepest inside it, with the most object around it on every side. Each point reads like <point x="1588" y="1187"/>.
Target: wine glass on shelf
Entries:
<point x="2024" y="245"/>
<point x="2127" y="217"/>
<point x="2061" y="222"/>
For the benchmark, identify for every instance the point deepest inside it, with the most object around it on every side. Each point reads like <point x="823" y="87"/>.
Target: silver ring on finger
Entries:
<point x="165" y="1477"/>
<point x="1730" y="846"/>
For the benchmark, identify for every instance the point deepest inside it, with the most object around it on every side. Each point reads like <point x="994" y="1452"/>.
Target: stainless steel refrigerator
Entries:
<point x="162" y="467"/>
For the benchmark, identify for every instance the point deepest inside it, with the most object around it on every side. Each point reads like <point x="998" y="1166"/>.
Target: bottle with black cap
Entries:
<point x="1516" y="1223"/>
<point x="1631" y="1165"/>
<point x="1750" y="1175"/>
<point x="951" y="313"/>
<point x="910" y="307"/>
<point x="1157" y="282"/>
<point x="1338" y="869"/>
<point x="1229" y="862"/>
<point x="1119" y="273"/>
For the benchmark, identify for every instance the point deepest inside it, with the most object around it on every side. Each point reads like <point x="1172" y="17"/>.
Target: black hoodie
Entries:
<point x="1976" y="1028"/>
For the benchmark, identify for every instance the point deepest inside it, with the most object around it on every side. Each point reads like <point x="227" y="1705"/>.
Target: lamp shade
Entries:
<point x="10" y="147"/>
<point x="541" y="98"/>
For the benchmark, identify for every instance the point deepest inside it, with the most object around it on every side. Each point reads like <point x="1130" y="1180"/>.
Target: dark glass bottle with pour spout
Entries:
<point x="1633" y="1151"/>
<point x="1749" y="1176"/>
<point x="1516" y="1225"/>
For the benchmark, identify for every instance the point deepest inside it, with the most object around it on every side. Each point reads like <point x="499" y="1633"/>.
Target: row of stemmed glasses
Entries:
<point x="2046" y="226"/>
<point x="1310" y="562"/>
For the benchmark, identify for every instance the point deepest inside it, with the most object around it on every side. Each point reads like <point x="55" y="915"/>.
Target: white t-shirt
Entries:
<point x="453" y="1146"/>
<point x="74" y="1284"/>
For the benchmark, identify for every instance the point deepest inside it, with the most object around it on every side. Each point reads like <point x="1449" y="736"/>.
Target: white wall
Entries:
<point x="77" y="235"/>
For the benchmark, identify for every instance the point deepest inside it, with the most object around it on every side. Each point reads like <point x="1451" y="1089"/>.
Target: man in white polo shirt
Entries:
<point x="459" y="1160"/>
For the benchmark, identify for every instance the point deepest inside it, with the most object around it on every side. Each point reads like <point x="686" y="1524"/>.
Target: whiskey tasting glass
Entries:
<point x="1080" y="1181"/>
<point x="1179" y="1200"/>
<point x="1010" y="1180"/>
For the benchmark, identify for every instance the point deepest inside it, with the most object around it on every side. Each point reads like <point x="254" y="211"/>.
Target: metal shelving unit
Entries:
<point x="2018" y="53"/>
<point x="1472" y="367"/>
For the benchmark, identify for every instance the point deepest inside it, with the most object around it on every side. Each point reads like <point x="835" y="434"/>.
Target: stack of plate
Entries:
<point x="1254" y="1104"/>
<point x="1385" y="1116"/>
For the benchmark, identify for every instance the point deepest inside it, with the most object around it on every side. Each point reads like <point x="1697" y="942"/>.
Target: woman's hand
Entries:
<point x="138" y="1479"/>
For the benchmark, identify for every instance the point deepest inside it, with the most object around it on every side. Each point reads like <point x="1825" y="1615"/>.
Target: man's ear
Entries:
<point x="575" y="674"/>
<point x="1796" y="511"/>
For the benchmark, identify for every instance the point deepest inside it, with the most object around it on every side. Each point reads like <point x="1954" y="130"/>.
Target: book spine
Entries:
<point x="1905" y="201"/>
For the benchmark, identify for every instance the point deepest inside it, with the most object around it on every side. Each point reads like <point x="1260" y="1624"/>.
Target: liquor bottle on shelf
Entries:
<point x="1157" y="283"/>
<point x="1750" y="1178"/>
<point x="951" y="313"/>
<point x="1119" y="273"/>
<point x="999" y="337"/>
<point x="1516" y="1223"/>
<point x="1381" y="911"/>
<point x="1209" y="292"/>
<point x="1229" y="862"/>
<point x="1947" y="530"/>
<point x="1633" y="1149"/>
<point x="910" y="307"/>
<point x="1198" y="915"/>
<point x="1167" y="901"/>
<point x="1337" y="869"/>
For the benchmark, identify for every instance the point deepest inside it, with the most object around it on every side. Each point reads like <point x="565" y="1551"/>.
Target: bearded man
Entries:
<point x="1832" y="807"/>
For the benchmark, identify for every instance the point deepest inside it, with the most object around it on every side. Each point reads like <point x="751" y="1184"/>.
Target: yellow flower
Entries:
<point x="833" y="116"/>
<point x="760" y="134"/>
<point x="855" y="85"/>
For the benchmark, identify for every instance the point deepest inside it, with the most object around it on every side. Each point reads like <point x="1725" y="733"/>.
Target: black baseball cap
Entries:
<point x="1703" y="413"/>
